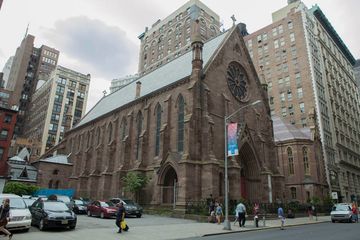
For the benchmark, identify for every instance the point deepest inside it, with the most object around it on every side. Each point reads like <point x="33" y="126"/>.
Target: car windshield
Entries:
<point x="55" y="206"/>
<point x="342" y="208"/>
<point x="16" y="203"/>
<point x="130" y="202"/>
<point x="79" y="202"/>
<point x="29" y="202"/>
<point x="106" y="204"/>
<point x="64" y="199"/>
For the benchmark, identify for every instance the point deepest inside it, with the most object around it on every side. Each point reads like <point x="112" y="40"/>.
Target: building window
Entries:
<point x="110" y="132"/>
<point x="281" y="29"/>
<point x="302" y="107"/>
<point x="7" y="118"/>
<point x="50" y="184"/>
<point x="276" y="43"/>
<point x="123" y="129"/>
<point x="306" y="161"/>
<point x="290" y="25"/>
<point x="303" y="122"/>
<point x="4" y="134"/>
<point x="282" y="97"/>
<point x="158" y="126"/>
<point x="291" y="111"/>
<point x="1" y="152"/>
<point x="292" y="37"/>
<point x="291" y="161"/>
<point x="289" y="95"/>
<point x="298" y="78"/>
<point x="299" y="93"/>
<point x="274" y="32"/>
<point x="181" y="117"/>
<point x="139" y="120"/>
<point x="293" y="193"/>
<point x="283" y="112"/>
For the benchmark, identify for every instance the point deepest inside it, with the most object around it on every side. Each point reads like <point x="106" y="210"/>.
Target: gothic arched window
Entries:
<point x="158" y="126"/>
<point x="180" y="127"/>
<point x="291" y="160"/>
<point x="306" y="161"/>
<point x="50" y="184"/>
<point x="293" y="192"/>
<point x="123" y="129"/>
<point x="139" y="120"/>
<point x="110" y="130"/>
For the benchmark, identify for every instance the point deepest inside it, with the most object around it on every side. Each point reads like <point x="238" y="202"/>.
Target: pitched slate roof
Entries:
<point x="285" y="131"/>
<point x="59" y="159"/>
<point x="165" y="75"/>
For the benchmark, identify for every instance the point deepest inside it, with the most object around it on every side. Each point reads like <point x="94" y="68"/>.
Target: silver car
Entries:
<point x="341" y="212"/>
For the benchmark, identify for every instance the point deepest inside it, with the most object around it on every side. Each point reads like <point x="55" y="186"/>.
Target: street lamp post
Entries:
<point x="227" y="225"/>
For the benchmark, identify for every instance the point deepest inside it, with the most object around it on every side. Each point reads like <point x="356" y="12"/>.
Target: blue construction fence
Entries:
<point x="47" y="192"/>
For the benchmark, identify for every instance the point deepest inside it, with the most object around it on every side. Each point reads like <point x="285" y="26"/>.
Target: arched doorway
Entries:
<point x="250" y="180"/>
<point x="169" y="186"/>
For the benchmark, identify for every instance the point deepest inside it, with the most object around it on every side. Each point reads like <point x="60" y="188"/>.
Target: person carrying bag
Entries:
<point x="4" y="217"/>
<point x="120" y="218"/>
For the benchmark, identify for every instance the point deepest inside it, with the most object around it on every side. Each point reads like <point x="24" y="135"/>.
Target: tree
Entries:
<point x="134" y="182"/>
<point x="19" y="188"/>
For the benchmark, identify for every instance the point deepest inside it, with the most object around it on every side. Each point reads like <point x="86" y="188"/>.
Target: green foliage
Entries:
<point x="134" y="182"/>
<point x="20" y="188"/>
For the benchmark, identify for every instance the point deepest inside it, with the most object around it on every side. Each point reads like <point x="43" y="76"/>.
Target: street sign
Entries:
<point x="334" y="195"/>
<point x="232" y="147"/>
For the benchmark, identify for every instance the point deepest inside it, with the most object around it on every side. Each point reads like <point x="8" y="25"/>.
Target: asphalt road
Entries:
<point x="321" y="231"/>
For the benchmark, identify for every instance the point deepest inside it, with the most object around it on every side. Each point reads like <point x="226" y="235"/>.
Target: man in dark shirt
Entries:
<point x="120" y="215"/>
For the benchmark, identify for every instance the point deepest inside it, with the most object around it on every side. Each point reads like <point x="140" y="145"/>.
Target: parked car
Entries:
<point x="52" y="214"/>
<point x="131" y="207"/>
<point x="79" y="206"/>
<point x="20" y="216"/>
<point x="341" y="212"/>
<point x="65" y="199"/>
<point x="102" y="208"/>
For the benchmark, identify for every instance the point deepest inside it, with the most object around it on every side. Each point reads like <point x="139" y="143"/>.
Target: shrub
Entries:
<point x="19" y="188"/>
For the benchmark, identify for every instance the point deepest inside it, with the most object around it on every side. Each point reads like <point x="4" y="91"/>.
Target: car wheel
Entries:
<point x="26" y="230"/>
<point x="138" y="216"/>
<point x="350" y="220"/>
<point x="72" y="227"/>
<point x="41" y="225"/>
<point x="102" y="215"/>
<point x="333" y="221"/>
<point x="89" y="213"/>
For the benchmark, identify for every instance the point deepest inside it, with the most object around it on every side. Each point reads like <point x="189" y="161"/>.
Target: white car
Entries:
<point x="341" y="212"/>
<point x="20" y="216"/>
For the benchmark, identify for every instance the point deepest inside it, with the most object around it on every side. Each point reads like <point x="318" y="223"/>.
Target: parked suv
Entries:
<point x="341" y="212"/>
<point x="131" y="207"/>
<point x="20" y="216"/>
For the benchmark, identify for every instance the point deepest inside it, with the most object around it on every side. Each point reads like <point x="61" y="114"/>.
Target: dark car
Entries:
<point x="103" y="209"/>
<point x="131" y="207"/>
<point x="52" y="214"/>
<point x="79" y="206"/>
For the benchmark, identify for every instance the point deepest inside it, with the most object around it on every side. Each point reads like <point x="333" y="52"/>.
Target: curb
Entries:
<point x="261" y="229"/>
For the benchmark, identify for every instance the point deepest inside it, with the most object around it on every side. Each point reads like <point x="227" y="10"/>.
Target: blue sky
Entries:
<point x="110" y="29"/>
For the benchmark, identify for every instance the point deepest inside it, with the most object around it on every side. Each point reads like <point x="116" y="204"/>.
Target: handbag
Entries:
<point x="123" y="224"/>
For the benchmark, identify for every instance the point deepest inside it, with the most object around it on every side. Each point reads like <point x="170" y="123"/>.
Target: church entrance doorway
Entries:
<point x="169" y="187"/>
<point x="250" y="180"/>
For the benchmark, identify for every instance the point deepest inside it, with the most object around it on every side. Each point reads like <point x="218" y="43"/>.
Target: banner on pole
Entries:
<point x="232" y="147"/>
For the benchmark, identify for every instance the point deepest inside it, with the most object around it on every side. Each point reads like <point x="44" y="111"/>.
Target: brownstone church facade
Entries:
<point x="169" y="126"/>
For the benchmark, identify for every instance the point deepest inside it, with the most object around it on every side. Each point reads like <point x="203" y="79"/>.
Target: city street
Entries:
<point x="323" y="231"/>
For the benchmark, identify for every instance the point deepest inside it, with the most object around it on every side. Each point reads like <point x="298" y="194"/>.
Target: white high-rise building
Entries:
<point x="118" y="83"/>
<point x="6" y="70"/>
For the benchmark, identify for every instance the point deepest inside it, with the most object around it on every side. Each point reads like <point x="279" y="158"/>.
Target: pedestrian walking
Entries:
<point x="314" y="211"/>
<point x="355" y="212"/>
<point x="256" y="211"/>
<point x="4" y="217"/>
<point x="241" y="210"/>
<point x="120" y="216"/>
<point x="218" y="213"/>
<point x="281" y="216"/>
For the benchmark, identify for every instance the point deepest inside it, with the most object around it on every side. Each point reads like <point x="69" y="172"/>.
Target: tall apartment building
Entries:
<point x="307" y="66"/>
<point x="357" y="72"/>
<point x="170" y="38"/>
<point x="65" y="93"/>
<point x="118" y="83"/>
<point x="29" y="65"/>
<point x="6" y="70"/>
